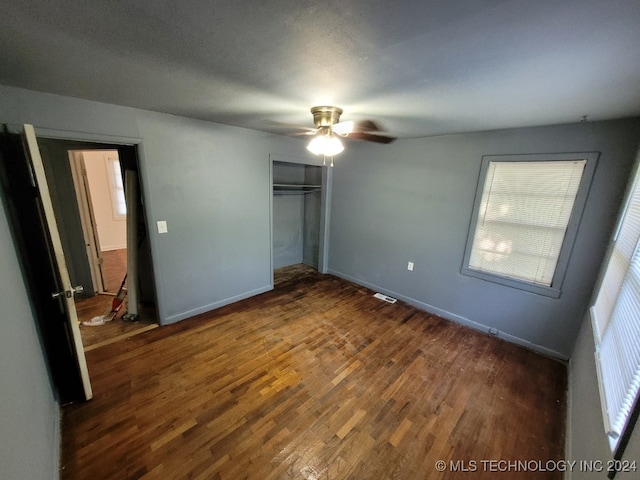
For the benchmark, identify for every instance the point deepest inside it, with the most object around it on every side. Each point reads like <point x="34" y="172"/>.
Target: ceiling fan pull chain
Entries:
<point x="332" y="160"/>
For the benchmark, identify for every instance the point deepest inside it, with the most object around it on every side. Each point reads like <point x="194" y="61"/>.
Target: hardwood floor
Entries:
<point x="114" y="267"/>
<point x="117" y="329"/>
<point x="314" y="380"/>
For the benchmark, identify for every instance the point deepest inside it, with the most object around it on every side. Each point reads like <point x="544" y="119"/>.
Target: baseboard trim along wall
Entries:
<point x="453" y="317"/>
<point x="212" y="306"/>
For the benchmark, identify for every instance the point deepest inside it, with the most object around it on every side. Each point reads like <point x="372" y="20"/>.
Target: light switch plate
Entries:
<point x="162" y="226"/>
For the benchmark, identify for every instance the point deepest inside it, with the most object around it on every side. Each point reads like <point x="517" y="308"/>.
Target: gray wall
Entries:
<point x="311" y="237"/>
<point x="288" y="224"/>
<point x="29" y="415"/>
<point x="412" y="201"/>
<point x="288" y="216"/>
<point x="312" y="213"/>
<point x="209" y="182"/>
<point x="586" y="439"/>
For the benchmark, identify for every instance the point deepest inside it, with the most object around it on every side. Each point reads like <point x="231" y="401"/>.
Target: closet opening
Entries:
<point x="299" y="215"/>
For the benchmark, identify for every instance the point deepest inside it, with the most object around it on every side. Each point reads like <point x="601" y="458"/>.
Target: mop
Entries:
<point x="116" y="305"/>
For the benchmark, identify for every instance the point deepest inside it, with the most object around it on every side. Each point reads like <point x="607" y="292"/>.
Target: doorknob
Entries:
<point x="68" y="293"/>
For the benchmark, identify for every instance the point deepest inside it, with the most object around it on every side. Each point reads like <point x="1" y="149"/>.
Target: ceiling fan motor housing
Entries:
<point x="326" y="116"/>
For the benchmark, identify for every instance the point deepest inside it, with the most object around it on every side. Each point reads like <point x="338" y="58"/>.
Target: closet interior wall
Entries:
<point x="296" y="214"/>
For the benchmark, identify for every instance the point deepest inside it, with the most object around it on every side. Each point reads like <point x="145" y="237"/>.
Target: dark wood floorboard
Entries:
<point x="114" y="268"/>
<point x="314" y="380"/>
<point x="93" y="336"/>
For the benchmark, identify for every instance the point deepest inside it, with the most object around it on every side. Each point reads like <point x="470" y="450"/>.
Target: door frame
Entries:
<point x="99" y="142"/>
<point x="102" y="140"/>
<point x="325" y="207"/>
<point x="87" y="218"/>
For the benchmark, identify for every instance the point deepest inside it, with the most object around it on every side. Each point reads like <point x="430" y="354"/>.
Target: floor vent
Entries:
<point x="384" y="297"/>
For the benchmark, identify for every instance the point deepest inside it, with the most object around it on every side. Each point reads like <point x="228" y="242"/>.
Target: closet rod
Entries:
<point x="294" y="192"/>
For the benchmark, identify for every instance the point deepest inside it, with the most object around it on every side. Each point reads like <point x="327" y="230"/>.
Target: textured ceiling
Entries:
<point x="423" y="67"/>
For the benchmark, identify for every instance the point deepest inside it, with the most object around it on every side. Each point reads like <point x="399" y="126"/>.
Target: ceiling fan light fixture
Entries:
<point x="316" y="145"/>
<point x="327" y="145"/>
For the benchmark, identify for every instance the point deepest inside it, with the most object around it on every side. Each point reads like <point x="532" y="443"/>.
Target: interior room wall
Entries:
<point x="412" y="201"/>
<point x="288" y="223"/>
<point x="586" y="439"/>
<point x="209" y="182"/>
<point x="112" y="232"/>
<point x="312" y="214"/>
<point x="288" y="216"/>
<point x="29" y="414"/>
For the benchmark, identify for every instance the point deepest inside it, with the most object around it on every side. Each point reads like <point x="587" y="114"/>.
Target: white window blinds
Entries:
<point x="624" y="244"/>
<point x="523" y="217"/>
<point x="616" y="321"/>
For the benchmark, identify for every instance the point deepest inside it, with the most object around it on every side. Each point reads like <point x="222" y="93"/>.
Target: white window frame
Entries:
<point x="614" y="323"/>
<point x="555" y="289"/>
<point x="116" y="187"/>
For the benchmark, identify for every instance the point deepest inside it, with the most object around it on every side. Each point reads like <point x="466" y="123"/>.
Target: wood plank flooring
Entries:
<point x="114" y="267"/>
<point x="314" y="380"/>
<point x="117" y="329"/>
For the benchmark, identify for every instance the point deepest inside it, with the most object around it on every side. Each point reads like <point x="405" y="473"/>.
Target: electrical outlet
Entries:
<point x="410" y="266"/>
<point x="162" y="226"/>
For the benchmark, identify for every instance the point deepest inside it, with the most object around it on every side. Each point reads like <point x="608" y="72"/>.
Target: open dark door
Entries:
<point x="38" y="243"/>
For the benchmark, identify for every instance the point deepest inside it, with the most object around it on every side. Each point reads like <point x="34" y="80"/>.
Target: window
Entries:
<point x="118" y="204"/>
<point x="526" y="214"/>
<point x="616" y="322"/>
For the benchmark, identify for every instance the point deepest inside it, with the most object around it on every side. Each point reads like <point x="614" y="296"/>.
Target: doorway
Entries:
<point x="299" y="212"/>
<point x="39" y="197"/>
<point x="98" y="181"/>
<point x="89" y="191"/>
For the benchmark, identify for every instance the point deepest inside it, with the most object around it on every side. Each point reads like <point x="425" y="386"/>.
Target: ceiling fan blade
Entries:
<point x="368" y="126"/>
<point x="289" y="126"/>
<point x="343" y="128"/>
<point x="371" y="137"/>
<point x="311" y="131"/>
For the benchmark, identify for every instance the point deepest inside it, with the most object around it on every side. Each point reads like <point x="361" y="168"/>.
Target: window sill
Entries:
<point x="550" y="292"/>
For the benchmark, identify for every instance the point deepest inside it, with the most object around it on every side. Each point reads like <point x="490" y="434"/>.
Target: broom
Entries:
<point x="116" y="305"/>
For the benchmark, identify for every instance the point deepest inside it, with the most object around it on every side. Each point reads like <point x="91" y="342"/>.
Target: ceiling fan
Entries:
<point x="328" y="129"/>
